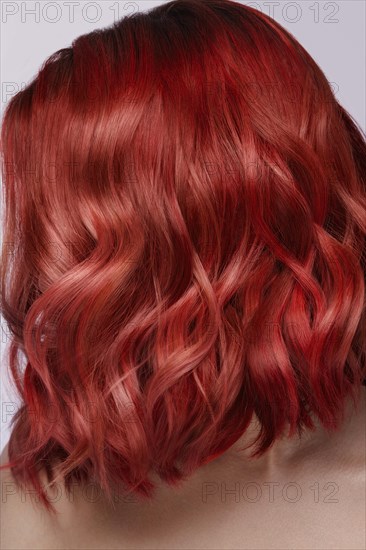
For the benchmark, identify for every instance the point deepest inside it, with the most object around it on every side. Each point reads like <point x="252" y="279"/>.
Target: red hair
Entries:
<point x="184" y="246"/>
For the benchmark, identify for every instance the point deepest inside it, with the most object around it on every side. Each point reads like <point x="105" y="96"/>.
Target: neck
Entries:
<point x="311" y="443"/>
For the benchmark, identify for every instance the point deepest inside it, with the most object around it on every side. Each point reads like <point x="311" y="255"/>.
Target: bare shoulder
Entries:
<point x="24" y="523"/>
<point x="332" y="464"/>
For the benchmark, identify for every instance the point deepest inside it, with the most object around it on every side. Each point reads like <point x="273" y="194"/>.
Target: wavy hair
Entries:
<point x="184" y="247"/>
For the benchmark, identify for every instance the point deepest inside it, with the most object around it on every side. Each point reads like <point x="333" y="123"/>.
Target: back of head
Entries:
<point x="184" y="246"/>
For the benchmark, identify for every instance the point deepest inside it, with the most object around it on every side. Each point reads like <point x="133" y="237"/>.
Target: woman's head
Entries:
<point x="184" y="246"/>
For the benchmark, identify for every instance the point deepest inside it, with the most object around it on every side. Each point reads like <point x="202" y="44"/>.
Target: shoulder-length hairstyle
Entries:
<point x="184" y="247"/>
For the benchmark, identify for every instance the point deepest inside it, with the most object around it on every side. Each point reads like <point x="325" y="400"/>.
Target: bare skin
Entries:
<point x="306" y="493"/>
